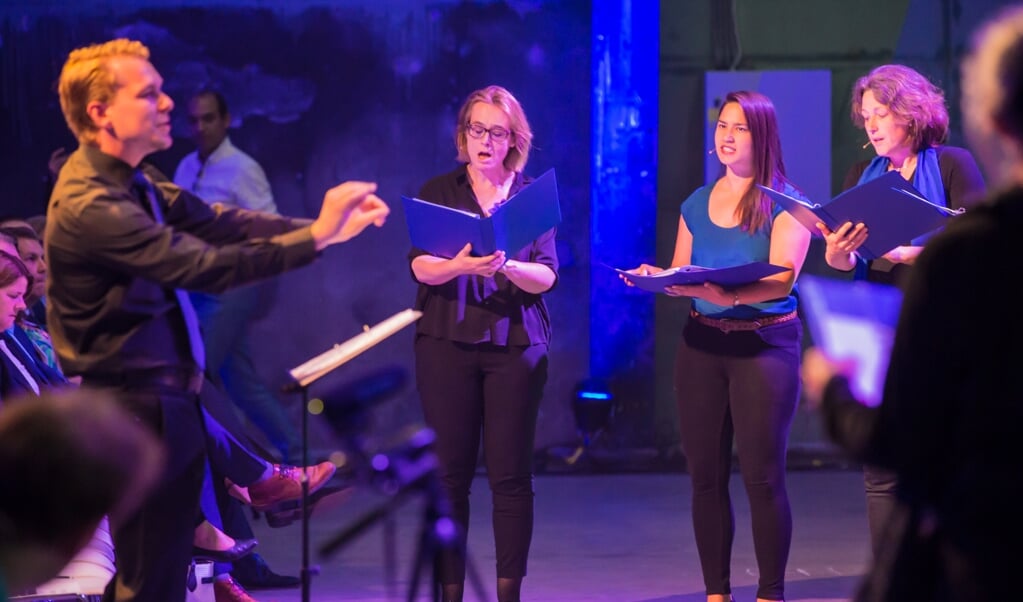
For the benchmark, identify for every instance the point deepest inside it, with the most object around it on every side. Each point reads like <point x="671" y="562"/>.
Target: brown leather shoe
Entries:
<point x="285" y="513"/>
<point x="226" y="589"/>
<point x="285" y="484"/>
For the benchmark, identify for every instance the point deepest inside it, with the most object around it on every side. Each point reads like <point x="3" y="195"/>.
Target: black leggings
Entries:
<point x="881" y="486"/>
<point x="746" y="385"/>
<point x="466" y="389"/>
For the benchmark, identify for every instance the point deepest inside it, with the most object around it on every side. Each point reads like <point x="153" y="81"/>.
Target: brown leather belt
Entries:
<point x="734" y="325"/>
<point x="182" y="379"/>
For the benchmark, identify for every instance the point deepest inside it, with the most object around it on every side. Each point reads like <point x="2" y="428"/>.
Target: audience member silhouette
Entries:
<point x="950" y="424"/>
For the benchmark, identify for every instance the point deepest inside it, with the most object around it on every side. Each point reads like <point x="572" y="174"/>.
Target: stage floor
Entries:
<point x="620" y="538"/>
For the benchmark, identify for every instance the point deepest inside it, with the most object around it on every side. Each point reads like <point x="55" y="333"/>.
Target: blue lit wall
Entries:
<point x="623" y="206"/>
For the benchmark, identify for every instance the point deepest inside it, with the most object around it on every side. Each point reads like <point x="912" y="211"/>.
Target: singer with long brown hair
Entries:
<point x="737" y="362"/>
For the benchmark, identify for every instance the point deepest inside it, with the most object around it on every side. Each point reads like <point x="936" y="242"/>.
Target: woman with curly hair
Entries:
<point x="906" y="121"/>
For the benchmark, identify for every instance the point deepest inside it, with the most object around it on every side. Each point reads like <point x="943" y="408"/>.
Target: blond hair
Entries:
<point x="992" y="71"/>
<point x="522" y="135"/>
<point x="86" y="77"/>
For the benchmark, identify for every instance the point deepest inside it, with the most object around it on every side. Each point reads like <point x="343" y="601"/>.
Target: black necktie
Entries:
<point x="187" y="310"/>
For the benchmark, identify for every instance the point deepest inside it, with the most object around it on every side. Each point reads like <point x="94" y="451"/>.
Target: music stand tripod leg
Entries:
<point x="426" y="551"/>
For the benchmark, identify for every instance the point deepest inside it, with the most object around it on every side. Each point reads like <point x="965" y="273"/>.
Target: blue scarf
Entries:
<point x="926" y="179"/>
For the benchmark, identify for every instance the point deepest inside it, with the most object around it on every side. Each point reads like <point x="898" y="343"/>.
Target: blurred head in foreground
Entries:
<point x="67" y="459"/>
<point x="992" y="96"/>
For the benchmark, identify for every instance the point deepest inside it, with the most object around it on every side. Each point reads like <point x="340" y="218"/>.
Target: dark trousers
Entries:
<point x="880" y="485"/>
<point x="227" y="457"/>
<point x="466" y="389"/>
<point x="234" y="455"/>
<point x="153" y="548"/>
<point x="743" y="385"/>
<point x="230" y="454"/>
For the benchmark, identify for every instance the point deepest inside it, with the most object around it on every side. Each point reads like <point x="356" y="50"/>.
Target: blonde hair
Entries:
<point x="86" y="78"/>
<point x="992" y="71"/>
<point x="522" y="135"/>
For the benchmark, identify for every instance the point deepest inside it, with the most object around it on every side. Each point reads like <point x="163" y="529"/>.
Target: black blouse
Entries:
<point x="474" y="309"/>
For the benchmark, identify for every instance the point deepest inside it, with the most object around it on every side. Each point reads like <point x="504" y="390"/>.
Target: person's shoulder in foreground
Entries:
<point x="68" y="458"/>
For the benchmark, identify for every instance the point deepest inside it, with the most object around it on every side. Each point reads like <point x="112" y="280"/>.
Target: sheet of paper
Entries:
<point x="342" y="353"/>
<point x="853" y="321"/>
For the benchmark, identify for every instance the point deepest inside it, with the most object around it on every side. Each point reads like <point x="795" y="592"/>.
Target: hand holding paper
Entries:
<point x="893" y="211"/>
<point x="840" y="244"/>
<point x="485" y="266"/>
<point x="430" y="269"/>
<point x="644" y="269"/>
<point x="443" y="231"/>
<point x="655" y="280"/>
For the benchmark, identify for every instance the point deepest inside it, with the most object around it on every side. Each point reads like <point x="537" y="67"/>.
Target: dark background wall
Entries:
<point x="327" y="91"/>
<point x="323" y="92"/>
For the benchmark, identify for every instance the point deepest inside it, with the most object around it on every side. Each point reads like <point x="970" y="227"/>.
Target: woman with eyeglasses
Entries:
<point x="481" y="345"/>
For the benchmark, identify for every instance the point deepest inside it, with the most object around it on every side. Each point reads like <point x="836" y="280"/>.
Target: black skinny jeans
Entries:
<point x="743" y="385"/>
<point x="466" y="389"/>
<point x="881" y="486"/>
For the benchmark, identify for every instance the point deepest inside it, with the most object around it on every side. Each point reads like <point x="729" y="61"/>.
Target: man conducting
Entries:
<point x="123" y="244"/>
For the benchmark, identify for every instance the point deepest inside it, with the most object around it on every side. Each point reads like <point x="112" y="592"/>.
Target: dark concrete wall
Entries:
<point x="847" y="38"/>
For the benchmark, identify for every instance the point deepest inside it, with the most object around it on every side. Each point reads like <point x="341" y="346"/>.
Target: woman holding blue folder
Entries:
<point x="481" y="344"/>
<point x="906" y="122"/>
<point x="737" y="365"/>
<point x="905" y="119"/>
<point x="950" y="421"/>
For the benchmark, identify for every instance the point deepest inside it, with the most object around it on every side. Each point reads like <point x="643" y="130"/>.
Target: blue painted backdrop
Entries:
<point x="323" y="92"/>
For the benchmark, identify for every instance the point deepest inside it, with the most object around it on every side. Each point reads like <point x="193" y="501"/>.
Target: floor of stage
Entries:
<point x="598" y="537"/>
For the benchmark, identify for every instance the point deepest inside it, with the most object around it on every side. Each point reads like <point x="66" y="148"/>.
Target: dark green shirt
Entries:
<point x="112" y="268"/>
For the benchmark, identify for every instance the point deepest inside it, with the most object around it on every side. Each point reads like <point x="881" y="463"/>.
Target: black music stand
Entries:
<point x="408" y="470"/>
<point x="311" y="371"/>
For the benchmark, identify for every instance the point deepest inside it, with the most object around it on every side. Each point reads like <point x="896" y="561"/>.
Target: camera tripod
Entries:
<point x="407" y="471"/>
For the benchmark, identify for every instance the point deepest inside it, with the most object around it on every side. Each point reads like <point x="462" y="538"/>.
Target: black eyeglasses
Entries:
<point x="476" y="130"/>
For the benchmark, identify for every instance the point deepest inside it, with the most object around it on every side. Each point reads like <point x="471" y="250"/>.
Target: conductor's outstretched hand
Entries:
<point x="347" y="210"/>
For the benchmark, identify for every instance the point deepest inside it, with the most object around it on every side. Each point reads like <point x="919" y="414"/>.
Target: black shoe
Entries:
<point x="253" y="573"/>
<point x="240" y="549"/>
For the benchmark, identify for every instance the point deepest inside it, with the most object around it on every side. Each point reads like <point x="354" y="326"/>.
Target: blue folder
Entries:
<point x="693" y="274"/>
<point x="893" y="210"/>
<point x="443" y="231"/>
<point x="853" y="320"/>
